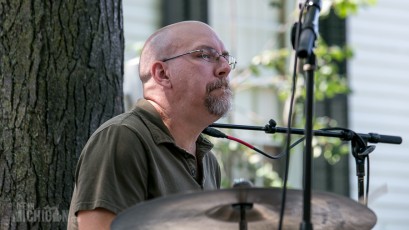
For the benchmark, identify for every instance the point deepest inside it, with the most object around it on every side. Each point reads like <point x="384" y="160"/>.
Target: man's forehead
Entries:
<point x="193" y="35"/>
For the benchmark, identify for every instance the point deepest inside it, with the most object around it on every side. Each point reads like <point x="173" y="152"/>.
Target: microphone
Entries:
<point x="214" y="133"/>
<point x="309" y="31"/>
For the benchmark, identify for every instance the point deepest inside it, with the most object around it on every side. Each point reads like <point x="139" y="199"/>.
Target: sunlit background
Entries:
<point x="366" y="90"/>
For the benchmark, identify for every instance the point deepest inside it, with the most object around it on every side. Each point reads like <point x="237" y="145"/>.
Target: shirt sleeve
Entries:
<point x="112" y="171"/>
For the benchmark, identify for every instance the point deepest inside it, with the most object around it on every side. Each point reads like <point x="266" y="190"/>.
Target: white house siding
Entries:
<point x="380" y="103"/>
<point x="141" y="18"/>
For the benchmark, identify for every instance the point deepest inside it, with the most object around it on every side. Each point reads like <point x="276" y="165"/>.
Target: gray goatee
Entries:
<point x="218" y="105"/>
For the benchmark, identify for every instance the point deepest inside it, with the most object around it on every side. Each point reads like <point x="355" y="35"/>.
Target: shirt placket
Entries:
<point x="191" y="164"/>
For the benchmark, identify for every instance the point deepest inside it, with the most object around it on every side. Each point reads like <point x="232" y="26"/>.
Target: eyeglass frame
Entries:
<point x="225" y="56"/>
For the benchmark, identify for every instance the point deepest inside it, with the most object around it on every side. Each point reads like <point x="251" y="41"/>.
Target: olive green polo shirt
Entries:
<point x="132" y="158"/>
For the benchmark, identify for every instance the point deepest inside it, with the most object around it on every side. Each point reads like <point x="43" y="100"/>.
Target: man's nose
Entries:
<point x="223" y="67"/>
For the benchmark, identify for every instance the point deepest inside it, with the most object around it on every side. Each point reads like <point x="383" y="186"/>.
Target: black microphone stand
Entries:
<point x="304" y="49"/>
<point x="360" y="150"/>
<point x="309" y="67"/>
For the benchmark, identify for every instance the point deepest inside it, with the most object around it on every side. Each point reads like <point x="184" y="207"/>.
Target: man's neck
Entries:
<point x="183" y="126"/>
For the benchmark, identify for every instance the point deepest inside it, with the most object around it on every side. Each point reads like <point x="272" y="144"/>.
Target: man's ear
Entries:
<point x="159" y="74"/>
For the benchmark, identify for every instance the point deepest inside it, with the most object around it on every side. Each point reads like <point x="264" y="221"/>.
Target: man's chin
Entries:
<point x="220" y="108"/>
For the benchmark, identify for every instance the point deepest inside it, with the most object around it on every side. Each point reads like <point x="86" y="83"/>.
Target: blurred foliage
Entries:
<point x="332" y="149"/>
<point x="344" y="8"/>
<point x="241" y="162"/>
<point x="327" y="78"/>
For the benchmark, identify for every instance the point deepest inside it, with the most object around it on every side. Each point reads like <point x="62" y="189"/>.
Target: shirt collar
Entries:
<point x="160" y="133"/>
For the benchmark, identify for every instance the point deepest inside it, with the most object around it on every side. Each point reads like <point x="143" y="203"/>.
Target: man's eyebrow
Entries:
<point x="224" y="52"/>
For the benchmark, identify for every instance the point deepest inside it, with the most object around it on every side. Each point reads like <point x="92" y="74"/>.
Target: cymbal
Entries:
<point x="259" y="207"/>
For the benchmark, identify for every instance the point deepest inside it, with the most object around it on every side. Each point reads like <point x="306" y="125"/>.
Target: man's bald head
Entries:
<point x="165" y="42"/>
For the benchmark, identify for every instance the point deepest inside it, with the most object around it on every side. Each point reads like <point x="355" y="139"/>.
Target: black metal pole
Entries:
<point x="309" y="68"/>
<point x="305" y="47"/>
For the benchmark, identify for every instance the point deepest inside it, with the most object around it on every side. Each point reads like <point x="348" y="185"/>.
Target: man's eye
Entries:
<point x="205" y="55"/>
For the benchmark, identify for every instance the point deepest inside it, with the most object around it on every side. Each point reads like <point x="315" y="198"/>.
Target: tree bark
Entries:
<point x="61" y="69"/>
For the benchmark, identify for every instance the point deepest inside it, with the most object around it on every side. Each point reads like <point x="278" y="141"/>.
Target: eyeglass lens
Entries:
<point x="213" y="56"/>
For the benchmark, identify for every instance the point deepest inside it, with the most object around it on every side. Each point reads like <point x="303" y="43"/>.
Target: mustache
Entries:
<point x="223" y="82"/>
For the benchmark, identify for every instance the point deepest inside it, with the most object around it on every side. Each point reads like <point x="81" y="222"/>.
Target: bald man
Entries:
<point x="156" y="149"/>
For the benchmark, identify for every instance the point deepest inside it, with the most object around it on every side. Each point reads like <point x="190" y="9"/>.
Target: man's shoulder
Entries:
<point x="128" y="119"/>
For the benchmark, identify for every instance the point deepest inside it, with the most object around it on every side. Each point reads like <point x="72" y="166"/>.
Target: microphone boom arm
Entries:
<point x="344" y="134"/>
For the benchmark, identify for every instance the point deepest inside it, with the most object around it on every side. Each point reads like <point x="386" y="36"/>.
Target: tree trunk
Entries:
<point x="61" y="68"/>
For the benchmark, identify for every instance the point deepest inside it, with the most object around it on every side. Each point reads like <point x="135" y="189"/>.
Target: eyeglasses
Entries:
<point x="210" y="55"/>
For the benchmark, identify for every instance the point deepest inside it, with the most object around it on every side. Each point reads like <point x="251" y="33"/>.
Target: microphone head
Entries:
<point x="214" y="132"/>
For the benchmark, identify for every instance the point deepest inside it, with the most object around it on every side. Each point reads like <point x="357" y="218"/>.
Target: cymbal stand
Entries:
<point x="242" y="207"/>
